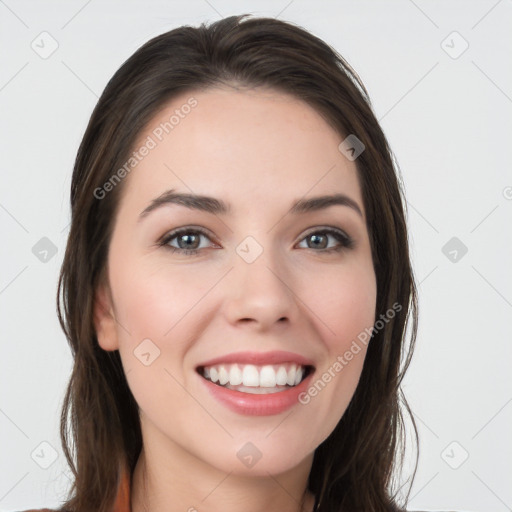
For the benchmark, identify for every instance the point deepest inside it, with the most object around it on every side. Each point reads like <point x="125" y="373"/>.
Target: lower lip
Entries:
<point x="257" y="405"/>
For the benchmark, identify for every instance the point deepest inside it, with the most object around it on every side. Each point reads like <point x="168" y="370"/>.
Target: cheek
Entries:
<point x="346" y="315"/>
<point x="152" y="302"/>
<point x="345" y="302"/>
<point x="155" y="307"/>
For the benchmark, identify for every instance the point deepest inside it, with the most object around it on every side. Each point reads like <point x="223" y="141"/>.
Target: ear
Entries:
<point x="104" y="318"/>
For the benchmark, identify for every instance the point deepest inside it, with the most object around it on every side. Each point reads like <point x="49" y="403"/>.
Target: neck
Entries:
<point x="180" y="482"/>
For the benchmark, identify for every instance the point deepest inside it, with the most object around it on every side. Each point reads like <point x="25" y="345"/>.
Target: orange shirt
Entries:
<point x="122" y="503"/>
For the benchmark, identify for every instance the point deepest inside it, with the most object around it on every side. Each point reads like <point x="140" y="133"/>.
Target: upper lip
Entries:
<point x="259" y="358"/>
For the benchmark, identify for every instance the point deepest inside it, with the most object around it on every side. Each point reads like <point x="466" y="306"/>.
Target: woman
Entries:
<point x="237" y="284"/>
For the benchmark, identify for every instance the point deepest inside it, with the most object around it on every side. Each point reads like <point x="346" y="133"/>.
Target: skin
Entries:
<point x="250" y="148"/>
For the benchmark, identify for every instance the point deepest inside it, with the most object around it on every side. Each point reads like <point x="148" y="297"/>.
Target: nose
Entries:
<point x="260" y="293"/>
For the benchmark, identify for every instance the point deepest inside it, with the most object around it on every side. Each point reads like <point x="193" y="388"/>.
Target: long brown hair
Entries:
<point x="353" y="468"/>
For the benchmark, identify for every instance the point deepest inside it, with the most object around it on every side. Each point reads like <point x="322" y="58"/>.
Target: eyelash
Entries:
<point x="346" y="242"/>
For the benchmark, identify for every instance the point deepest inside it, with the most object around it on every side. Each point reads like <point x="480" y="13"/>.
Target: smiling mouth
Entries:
<point x="256" y="379"/>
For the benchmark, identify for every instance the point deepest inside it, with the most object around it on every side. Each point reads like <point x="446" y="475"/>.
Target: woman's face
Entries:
<point x="263" y="279"/>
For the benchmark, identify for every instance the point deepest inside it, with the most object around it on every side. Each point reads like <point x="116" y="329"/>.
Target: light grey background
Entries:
<point x="447" y="114"/>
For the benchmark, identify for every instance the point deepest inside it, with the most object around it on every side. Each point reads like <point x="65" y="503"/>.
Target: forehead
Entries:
<point x="249" y="147"/>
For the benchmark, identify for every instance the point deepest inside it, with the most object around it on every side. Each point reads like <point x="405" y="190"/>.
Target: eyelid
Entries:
<point x="169" y="235"/>
<point x="207" y="232"/>
<point x="320" y="229"/>
<point x="345" y="241"/>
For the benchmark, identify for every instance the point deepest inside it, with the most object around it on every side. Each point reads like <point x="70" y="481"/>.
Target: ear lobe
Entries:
<point x="104" y="319"/>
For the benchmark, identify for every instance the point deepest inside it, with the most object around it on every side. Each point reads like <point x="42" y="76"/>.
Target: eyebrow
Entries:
<point x="219" y="207"/>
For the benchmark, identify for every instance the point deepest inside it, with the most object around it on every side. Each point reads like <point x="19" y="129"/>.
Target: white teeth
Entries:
<point x="249" y="375"/>
<point x="290" y="380"/>
<point x="235" y="375"/>
<point x="223" y="375"/>
<point x="267" y="377"/>
<point x="281" y="376"/>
